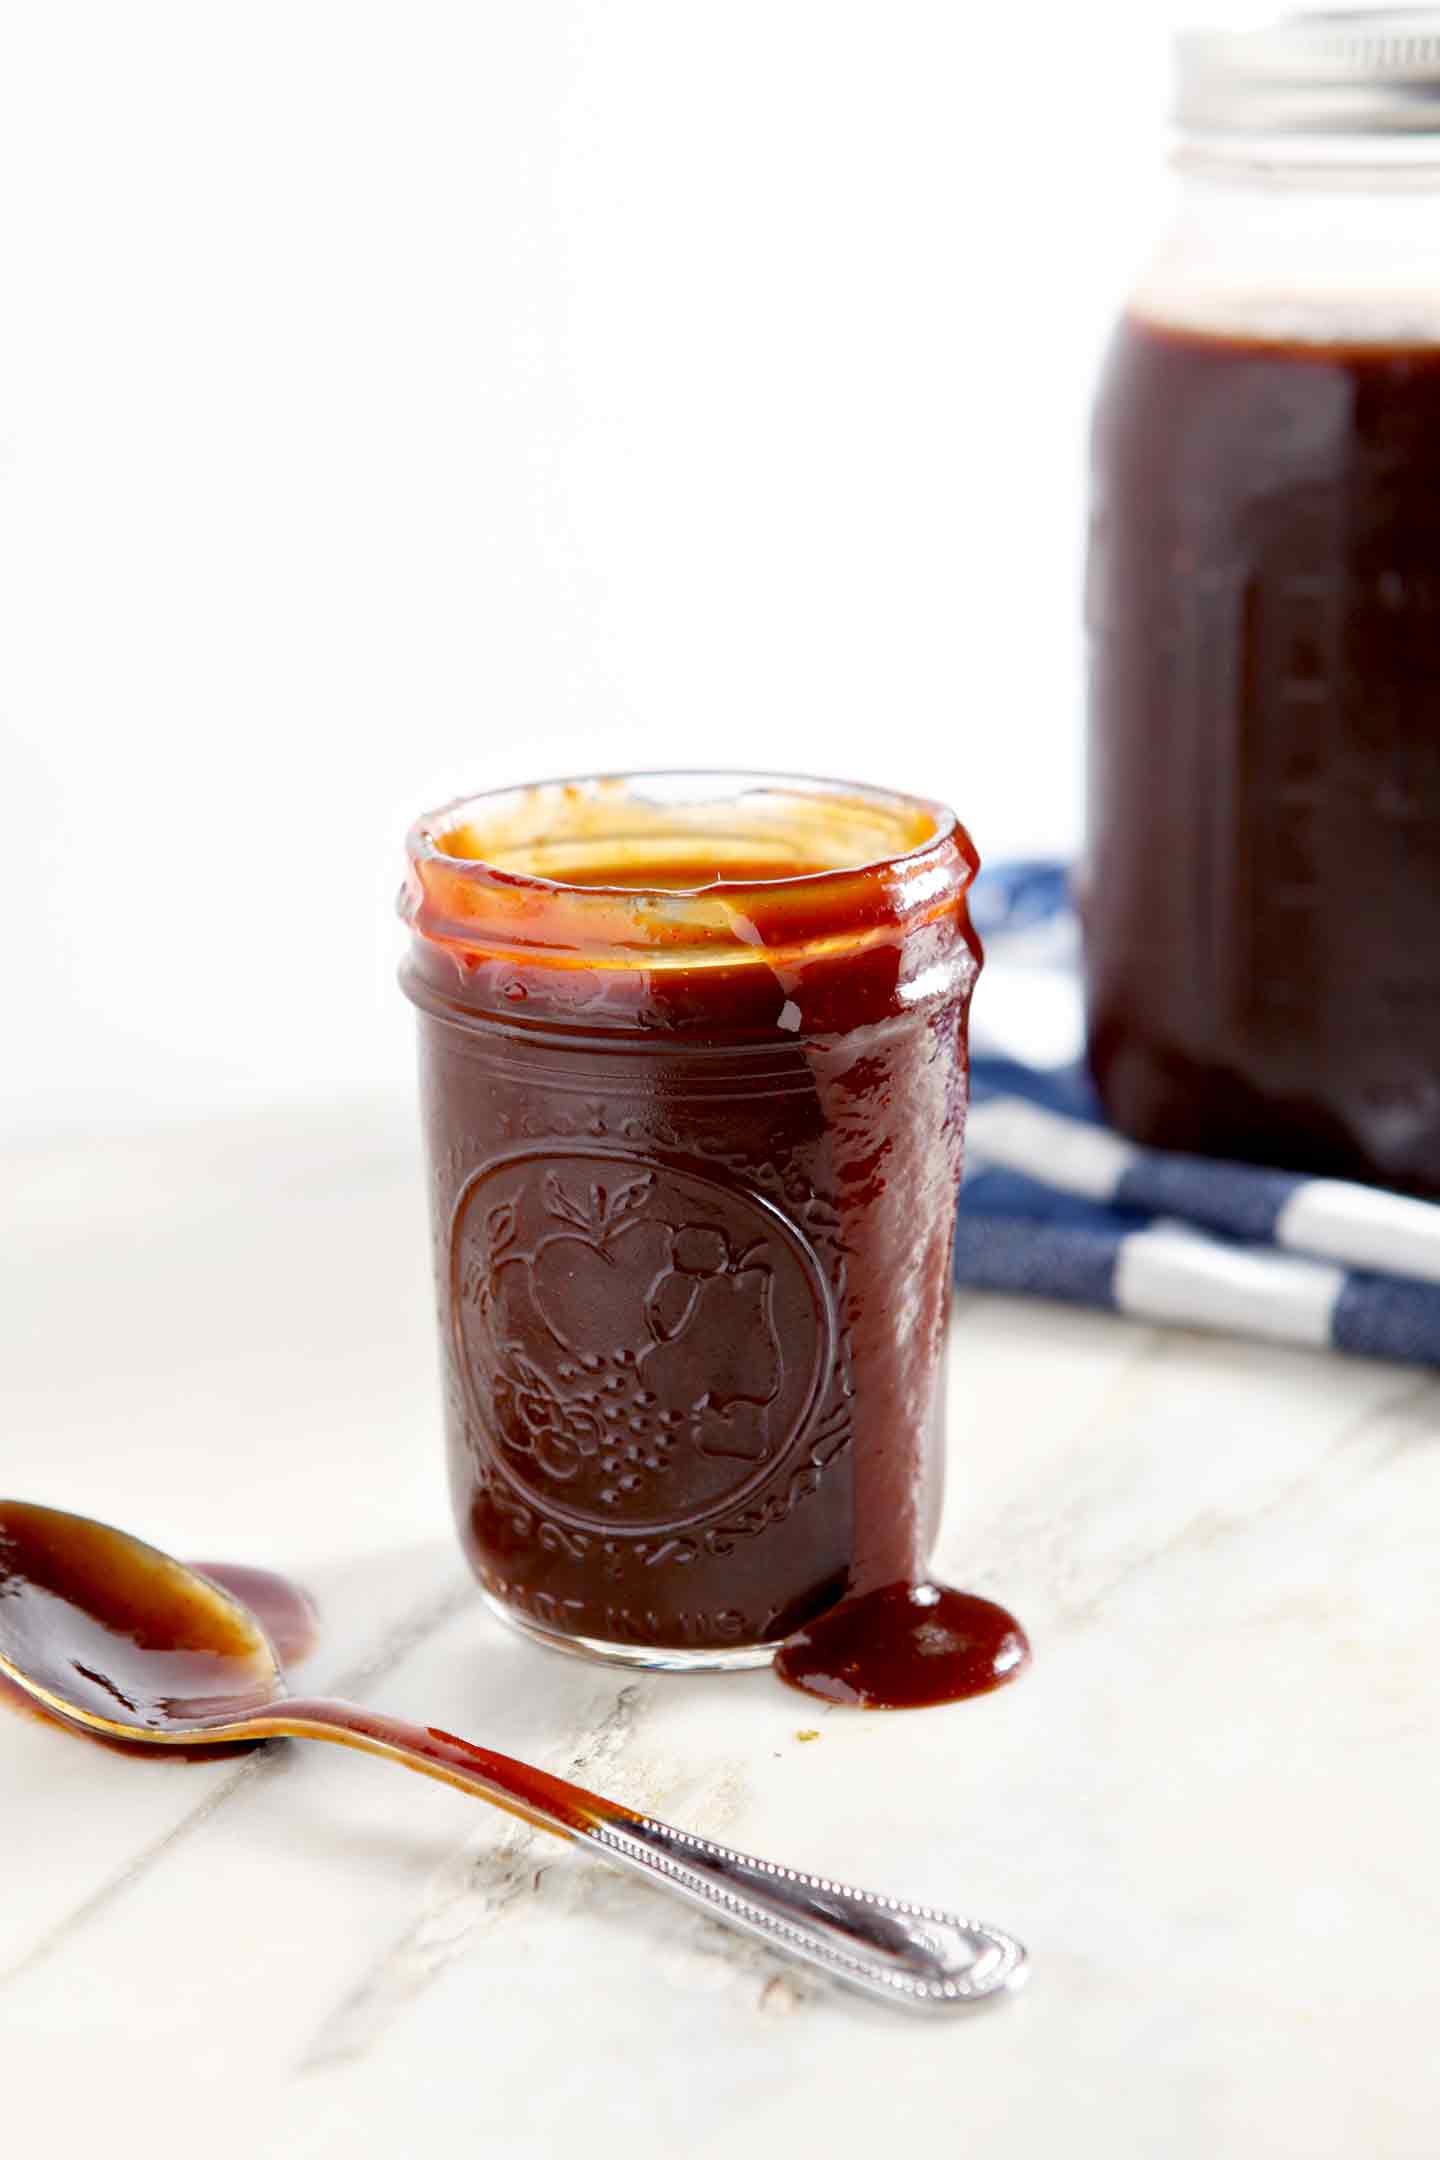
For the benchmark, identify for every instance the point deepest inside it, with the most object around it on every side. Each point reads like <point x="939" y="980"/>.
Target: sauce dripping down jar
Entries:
<point x="693" y="1072"/>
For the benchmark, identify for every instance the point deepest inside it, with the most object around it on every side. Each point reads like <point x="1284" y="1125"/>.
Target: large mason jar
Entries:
<point x="1261" y="883"/>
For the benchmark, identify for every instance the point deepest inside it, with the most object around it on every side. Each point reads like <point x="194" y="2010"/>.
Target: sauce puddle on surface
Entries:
<point x="909" y="1646"/>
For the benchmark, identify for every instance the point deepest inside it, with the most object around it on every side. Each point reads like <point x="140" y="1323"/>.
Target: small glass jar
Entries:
<point x="1260" y="890"/>
<point x="693" y="1076"/>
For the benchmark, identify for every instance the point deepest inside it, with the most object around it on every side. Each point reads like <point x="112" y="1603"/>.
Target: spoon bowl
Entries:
<point x="117" y="1636"/>
<point x="113" y="1635"/>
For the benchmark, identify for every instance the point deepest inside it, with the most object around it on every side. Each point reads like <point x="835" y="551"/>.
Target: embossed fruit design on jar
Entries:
<point x="617" y="1342"/>
<point x="693" y="1073"/>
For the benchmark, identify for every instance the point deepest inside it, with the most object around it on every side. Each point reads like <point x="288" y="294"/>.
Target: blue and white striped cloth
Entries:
<point x="1056" y="1205"/>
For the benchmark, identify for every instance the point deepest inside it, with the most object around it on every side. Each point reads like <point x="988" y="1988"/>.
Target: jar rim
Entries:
<point x="423" y="839"/>
<point x="913" y="861"/>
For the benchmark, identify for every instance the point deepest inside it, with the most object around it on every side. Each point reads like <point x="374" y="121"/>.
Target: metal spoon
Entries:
<point x="114" y="1636"/>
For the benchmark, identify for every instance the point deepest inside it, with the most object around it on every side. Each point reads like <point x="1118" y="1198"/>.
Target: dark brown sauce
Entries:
<point x="908" y="1646"/>
<point x="1261" y="898"/>
<point x="148" y="1636"/>
<point x="693" y="1203"/>
<point x="117" y="1629"/>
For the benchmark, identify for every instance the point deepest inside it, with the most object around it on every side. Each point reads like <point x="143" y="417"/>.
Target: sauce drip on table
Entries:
<point x="907" y="1646"/>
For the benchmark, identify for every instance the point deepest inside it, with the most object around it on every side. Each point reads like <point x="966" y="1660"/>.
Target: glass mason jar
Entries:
<point x="1261" y="883"/>
<point x="693" y="1080"/>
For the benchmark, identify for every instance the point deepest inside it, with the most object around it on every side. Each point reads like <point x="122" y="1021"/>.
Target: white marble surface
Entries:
<point x="1208" y="1808"/>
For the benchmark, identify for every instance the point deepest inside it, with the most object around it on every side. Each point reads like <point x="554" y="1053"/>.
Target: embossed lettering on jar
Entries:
<point x="693" y="1072"/>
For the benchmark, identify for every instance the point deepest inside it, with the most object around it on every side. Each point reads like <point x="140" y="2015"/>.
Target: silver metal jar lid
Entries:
<point x="1352" y="72"/>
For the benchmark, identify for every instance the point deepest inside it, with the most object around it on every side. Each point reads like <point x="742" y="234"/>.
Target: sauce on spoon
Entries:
<point x="118" y="1629"/>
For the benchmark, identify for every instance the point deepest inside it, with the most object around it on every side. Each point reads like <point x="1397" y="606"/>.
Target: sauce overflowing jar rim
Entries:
<point x="482" y="892"/>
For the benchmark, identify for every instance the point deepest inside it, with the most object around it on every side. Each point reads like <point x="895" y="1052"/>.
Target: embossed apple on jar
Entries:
<point x="612" y="1324"/>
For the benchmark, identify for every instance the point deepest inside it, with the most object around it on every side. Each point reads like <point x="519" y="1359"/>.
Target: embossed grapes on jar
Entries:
<point x="581" y="1288"/>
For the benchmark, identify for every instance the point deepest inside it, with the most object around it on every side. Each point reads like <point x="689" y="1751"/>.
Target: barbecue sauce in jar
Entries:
<point x="1263" y="898"/>
<point x="694" y="1078"/>
<point x="1261" y="882"/>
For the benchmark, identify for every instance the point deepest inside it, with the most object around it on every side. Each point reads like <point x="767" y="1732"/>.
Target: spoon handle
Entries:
<point x="908" y="1954"/>
<point x="887" y="1947"/>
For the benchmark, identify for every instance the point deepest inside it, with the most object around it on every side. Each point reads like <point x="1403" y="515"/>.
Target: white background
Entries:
<point x="399" y="399"/>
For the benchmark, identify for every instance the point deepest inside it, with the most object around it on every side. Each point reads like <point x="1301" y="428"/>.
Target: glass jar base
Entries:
<point x="638" y="1657"/>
